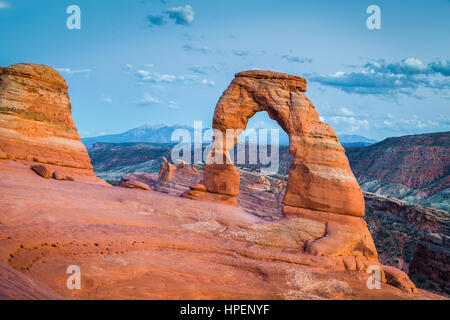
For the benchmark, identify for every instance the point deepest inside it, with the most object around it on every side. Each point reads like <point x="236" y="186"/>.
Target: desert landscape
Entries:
<point x="224" y="159"/>
<point x="146" y="238"/>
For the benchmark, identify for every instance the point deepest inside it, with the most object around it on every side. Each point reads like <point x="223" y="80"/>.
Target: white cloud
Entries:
<point x="204" y="69"/>
<point x="70" y="71"/>
<point x="296" y="59"/>
<point x="346" y="112"/>
<point x="156" y="77"/>
<point x="380" y="77"/>
<point x="201" y="49"/>
<point x="182" y="15"/>
<point x="107" y="99"/>
<point x="149" y="100"/>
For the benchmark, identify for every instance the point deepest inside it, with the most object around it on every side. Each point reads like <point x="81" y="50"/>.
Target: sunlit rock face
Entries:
<point x="320" y="177"/>
<point x="35" y="117"/>
<point x="36" y="123"/>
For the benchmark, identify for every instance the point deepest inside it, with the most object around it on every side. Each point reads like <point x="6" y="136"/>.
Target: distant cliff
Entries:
<point x="414" y="168"/>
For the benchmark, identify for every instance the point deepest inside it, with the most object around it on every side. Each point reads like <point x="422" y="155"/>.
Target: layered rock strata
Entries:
<point x="36" y="123"/>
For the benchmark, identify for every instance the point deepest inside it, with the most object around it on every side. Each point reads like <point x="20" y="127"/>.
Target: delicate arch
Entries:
<point x="320" y="177"/>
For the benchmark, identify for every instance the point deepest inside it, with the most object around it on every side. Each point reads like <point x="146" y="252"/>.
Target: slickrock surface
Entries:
<point x="149" y="245"/>
<point x="36" y="122"/>
<point x="17" y="286"/>
<point x="132" y="184"/>
<point x="320" y="177"/>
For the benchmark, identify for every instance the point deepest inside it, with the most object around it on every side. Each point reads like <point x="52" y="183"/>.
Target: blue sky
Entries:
<point x="150" y="61"/>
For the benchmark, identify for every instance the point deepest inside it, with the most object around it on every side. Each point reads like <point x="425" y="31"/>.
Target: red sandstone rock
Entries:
<point x="340" y="235"/>
<point x="42" y="170"/>
<point x="36" y="121"/>
<point x="17" y="286"/>
<point x="399" y="279"/>
<point x="57" y="175"/>
<point x="149" y="245"/>
<point x="320" y="176"/>
<point x="136" y="185"/>
<point x="431" y="259"/>
<point x="198" y="187"/>
<point x="166" y="171"/>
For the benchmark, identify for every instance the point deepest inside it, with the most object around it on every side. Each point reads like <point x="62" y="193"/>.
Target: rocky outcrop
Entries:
<point x="36" y="122"/>
<point x="320" y="187"/>
<point x="399" y="279"/>
<point x="42" y="170"/>
<point x="415" y="168"/>
<point x="132" y="184"/>
<point x="166" y="171"/>
<point x="319" y="178"/>
<point x="413" y="238"/>
<point x="430" y="264"/>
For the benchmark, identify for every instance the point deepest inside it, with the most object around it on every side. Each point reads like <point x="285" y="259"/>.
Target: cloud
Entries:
<point x="159" y="78"/>
<point x="441" y="66"/>
<point x="380" y="77"/>
<point x="349" y="123"/>
<point x="346" y="112"/>
<point x="240" y="53"/>
<point x="296" y="59"/>
<point x="182" y="15"/>
<point x="106" y="99"/>
<point x="202" y="49"/>
<point x="149" y="100"/>
<point x="156" y="20"/>
<point x="408" y="124"/>
<point x="4" y="5"/>
<point x="70" y="72"/>
<point x="204" y="69"/>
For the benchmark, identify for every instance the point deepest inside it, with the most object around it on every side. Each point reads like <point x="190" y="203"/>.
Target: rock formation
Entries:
<point x="320" y="177"/>
<point x="132" y="184"/>
<point x="36" y="122"/>
<point x="414" y="168"/>
<point x="42" y="170"/>
<point x="431" y="262"/>
<point x="321" y="185"/>
<point x="166" y="171"/>
<point x="131" y="244"/>
<point x="150" y="245"/>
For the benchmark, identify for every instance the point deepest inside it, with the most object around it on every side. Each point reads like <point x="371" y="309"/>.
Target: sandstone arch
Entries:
<point x="320" y="177"/>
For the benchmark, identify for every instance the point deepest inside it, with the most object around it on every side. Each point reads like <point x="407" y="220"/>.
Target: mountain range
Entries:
<point x="162" y="134"/>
